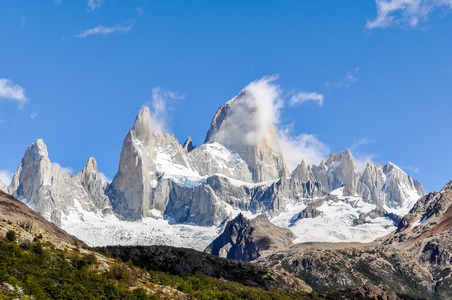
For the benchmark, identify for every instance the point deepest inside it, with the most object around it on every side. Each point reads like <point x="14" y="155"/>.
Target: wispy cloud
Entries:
<point x="94" y="4"/>
<point x="348" y="80"/>
<point x="104" y="178"/>
<point x="11" y="91"/>
<point x="405" y="12"/>
<point x="66" y="170"/>
<point x="160" y="113"/>
<point x="361" y="159"/>
<point x="103" y="30"/>
<point x="303" y="97"/>
<point x="411" y="169"/>
<point x="22" y="22"/>
<point x="33" y="115"/>
<point x="6" y="176"/>
<point x="303" y="146"/>
<point x="361" y="142"/>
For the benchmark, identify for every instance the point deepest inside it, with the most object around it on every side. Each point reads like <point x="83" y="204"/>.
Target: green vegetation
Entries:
<point x="36" y="270"/>
<point x="11" y="235"/>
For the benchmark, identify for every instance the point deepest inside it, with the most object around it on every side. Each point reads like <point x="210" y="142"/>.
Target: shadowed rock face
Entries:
<point x="245" y="239"/>
<point x="180" y="260"/>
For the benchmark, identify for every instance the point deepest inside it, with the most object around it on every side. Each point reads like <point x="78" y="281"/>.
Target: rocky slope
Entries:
<point x="29" y="224"/>
<point x="416" y="259"/>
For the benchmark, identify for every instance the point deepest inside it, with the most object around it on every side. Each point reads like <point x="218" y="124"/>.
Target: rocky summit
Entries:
<point x="187" y="194"/>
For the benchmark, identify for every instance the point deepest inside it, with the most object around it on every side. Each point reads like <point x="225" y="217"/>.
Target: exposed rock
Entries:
<point x="15" y="211"/>
<point x="214" y="158"/>
<point x="414" y="260"/>
<point x="188" y="145"/>
<point x="3" y="187"/>
<point x="45" y="188"/>
<point x="309" y="212"/>
<point x="91" y="181"/>
<point x="303" y="172"/>
<point x="179" y="261"/>
<point x="245" y="239"/>
<point x="353" y="265"/>
<point x="236" y="126"/>
<point x="378" y="212"/>
<point x="144" y="155"/>
<point x="381" y="185"/>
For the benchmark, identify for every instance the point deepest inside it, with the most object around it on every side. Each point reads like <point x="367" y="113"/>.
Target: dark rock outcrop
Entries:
<point x="245" y="239"/>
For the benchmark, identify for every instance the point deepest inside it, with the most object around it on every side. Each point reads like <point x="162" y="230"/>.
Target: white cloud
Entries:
<point x="160" y="116"/>
<point x="405" y="12"/>
<point x="33" y="115"/>
<point x="348" y="80"/>
<point x="103" y="30"/>
<point x="6" y="177"/>
<point x="361" y="160"/>
<point x="94" y="4"/>
<point x="303" y="97"/>
<point x="303" y="146"/>
<point x="104" y="178"/>
<point x="67" y="170"/>
<point x="257" y="110"/>
<point x="11" y="91"/>
<point x="252" y="114"/>
<point x="411" y="169"/>
<point x="361" y="142"/>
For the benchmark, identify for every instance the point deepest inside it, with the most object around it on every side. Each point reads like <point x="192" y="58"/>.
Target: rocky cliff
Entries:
<point x="239" y="168"/>
<point x="244" y="239"/>
<point x="52" y="193"/>
<point x="237" y="126"/>
<point x="379" y="184"/>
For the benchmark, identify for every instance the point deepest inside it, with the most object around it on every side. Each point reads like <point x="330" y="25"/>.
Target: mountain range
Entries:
<point x="168" y="193"/>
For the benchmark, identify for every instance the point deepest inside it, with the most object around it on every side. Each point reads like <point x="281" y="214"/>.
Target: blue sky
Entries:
<point x="374" y="76"/>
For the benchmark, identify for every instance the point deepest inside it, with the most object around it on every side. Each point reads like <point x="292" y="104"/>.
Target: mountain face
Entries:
<point x="54" y="194"/>
<point x="244" y="239"/>
<point x="144" y="155"/>
<point x="240" y="168"/>
<point x="382" y="185"/>
<point x="415" y="259"/>
<point x="236" y="125"/>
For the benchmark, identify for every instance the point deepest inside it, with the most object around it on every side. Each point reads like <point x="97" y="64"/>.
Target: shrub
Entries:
<point x="11" y="235"/>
